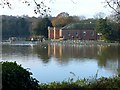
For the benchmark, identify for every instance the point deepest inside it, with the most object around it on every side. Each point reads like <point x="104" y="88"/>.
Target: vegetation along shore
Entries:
<point x="15" y="77"/>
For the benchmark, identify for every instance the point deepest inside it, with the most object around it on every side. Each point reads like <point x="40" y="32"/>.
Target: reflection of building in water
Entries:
<point x="102" y="54"/>
<point x="55" y="50"/>
<point x="71" y="51"/>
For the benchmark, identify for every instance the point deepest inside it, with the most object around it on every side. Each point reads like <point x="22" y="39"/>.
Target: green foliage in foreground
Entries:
<point x="102" y="83"/>
<point x="79" y="84"/>
<point x="106" y="83"/>
<point x="15" y="77"/>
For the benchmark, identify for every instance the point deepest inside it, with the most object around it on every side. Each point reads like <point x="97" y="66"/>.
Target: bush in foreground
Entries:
<point x="15" y="77"/>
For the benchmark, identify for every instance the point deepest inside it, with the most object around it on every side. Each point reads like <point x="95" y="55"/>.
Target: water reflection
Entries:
<point x="42" y="52"/>
<point x="107" y="56"/>
<point x="66" y="52"/>
<point x="103" y="54"/>
<point x="68" y="57"/>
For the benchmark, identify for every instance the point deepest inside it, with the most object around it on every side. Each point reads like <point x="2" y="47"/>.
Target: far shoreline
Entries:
<point x="81" y="42"/>
<point x="63" y="42"/>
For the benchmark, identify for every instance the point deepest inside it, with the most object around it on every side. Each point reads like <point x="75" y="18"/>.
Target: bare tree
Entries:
<point x="114" y="4"/>
<point x="40" y="7"/>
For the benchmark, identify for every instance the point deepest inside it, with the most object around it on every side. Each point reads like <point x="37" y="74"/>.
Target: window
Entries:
<point x="84" y="33"/>
<point x="92" y="33"/>
<point x="68" y="33"/>
<point x="76" y="34"/>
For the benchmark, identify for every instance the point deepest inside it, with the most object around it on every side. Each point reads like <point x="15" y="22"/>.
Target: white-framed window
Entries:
<point x="76" y="34"/>
<point x="84" y="33"/>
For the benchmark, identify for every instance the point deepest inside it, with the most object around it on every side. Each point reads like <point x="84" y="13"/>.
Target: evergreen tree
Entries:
<point x="42" y="27"/>
<point x="104" y="27"/>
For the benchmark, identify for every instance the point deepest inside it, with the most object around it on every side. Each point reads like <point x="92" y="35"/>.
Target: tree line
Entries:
<point x="25" y="27"/>
<point x="15" y="27"/>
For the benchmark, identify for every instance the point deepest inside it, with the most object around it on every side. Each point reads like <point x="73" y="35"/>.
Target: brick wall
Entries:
<point x="51" y="33"/>
<point x="80" y="34"/>
<point x="54" y="33"/>
<point x="57" y="33"/>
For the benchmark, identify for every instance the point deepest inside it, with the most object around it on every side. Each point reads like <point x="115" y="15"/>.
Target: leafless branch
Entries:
<point x="118" y="2"/>
<point x="112" y="4"/>
<point x="40" y="8"/>
<point x="5" y="3"/>
<point x="73" y="2"/>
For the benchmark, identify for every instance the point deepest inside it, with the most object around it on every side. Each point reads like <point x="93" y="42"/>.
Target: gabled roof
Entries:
<point x="79" y="26"/>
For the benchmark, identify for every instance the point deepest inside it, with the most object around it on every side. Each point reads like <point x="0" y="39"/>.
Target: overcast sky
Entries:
<point x="87" y="8"/>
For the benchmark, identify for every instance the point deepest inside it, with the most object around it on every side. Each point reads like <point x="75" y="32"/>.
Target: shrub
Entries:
<point x="110" y="83"/>
<point x="15" y="77"/>
<point x="94" y="84"/>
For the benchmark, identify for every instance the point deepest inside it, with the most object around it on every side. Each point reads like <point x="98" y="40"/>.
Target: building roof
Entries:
<point x="79" y="26"/>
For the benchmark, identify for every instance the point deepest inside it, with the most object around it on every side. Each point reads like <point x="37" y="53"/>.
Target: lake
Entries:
<point x="59" y="62"/>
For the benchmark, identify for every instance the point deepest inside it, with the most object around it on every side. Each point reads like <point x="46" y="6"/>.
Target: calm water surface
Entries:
<point x="54" y="62"/>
